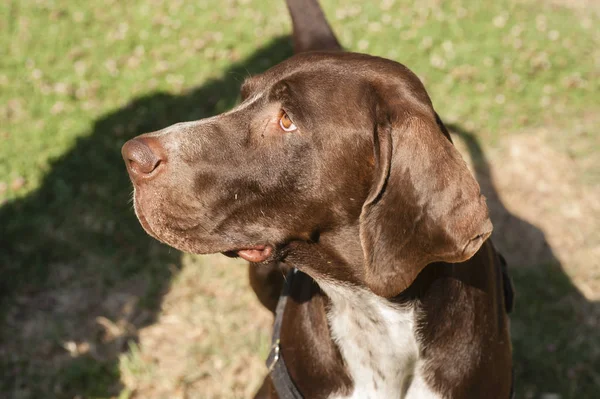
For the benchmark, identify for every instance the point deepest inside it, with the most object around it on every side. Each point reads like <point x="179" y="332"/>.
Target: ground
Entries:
<point x="90" y="307"/>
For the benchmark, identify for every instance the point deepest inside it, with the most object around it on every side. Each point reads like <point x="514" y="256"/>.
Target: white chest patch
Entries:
<point x="378" y="343"/>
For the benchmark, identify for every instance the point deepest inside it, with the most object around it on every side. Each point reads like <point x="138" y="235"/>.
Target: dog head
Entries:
<point x="335" y="144"/>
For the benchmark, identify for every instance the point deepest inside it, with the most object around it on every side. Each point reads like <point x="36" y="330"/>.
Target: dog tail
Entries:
<point x="311" y="30"/>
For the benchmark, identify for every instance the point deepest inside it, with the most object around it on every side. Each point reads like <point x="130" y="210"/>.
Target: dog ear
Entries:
<point x="424" y="205"/>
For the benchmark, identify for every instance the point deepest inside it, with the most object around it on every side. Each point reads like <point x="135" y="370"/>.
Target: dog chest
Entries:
<point x="378" y="343"/>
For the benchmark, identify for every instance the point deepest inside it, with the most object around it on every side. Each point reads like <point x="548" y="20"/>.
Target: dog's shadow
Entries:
<point x="555" y="341"/>
<point x="79" y="275"/>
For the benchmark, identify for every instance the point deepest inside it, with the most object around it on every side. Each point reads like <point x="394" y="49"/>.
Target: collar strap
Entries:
<point x="284" y="386"/>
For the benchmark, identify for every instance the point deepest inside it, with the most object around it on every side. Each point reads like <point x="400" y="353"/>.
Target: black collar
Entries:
<point x="284" y="386"/>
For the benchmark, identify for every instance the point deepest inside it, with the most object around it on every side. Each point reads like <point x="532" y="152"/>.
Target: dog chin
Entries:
<point x="165" y="237"/>
<point x="144" y="222"/>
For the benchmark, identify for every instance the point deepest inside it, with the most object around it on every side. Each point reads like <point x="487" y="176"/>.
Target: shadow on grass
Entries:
<point x="79" y="275"/>
<point x="556" y="346"/>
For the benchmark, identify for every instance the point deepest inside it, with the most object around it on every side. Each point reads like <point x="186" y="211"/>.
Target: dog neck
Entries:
<point x="342" y="330"/>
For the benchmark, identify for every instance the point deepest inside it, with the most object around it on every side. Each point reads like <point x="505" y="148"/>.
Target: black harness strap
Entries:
<point x="277" y="369"/>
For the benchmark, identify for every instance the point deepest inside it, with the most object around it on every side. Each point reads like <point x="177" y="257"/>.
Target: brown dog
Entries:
<point x="336" y="164"/>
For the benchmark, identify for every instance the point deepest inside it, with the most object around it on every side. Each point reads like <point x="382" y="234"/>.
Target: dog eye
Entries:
<point x="286" y="123"/>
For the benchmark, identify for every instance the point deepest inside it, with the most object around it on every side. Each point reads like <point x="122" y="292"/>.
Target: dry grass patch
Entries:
<point x="544" y="205"/>
<point x="209" y="341"/>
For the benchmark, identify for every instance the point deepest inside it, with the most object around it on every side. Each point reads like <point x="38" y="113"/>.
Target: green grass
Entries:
<point x="78" y="78"/>
<point x="489" y="64"/>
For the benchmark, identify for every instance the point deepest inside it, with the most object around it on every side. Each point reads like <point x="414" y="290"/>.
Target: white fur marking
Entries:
<point x="378" y="343"/>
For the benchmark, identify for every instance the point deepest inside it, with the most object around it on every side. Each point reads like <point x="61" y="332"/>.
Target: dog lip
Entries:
<point x="254" y="254"/>
<point x="145" y="224"/>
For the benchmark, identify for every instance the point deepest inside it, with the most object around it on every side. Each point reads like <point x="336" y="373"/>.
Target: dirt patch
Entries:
<point x="55" y="336"/>
<point x="543" y="209"/>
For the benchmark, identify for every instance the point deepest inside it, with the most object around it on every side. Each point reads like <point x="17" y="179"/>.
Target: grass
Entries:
<point x="81" y="281"/>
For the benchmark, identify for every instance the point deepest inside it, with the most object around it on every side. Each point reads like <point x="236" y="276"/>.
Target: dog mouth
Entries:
<point x="254" y="254"/>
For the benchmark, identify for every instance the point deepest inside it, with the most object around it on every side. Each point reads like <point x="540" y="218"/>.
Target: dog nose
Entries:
<point x="142" y="156"/>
